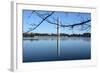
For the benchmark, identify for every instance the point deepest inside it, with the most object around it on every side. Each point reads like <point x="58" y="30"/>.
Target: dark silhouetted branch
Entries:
<point x="41" y="22"/>
<point x="81" y="23"/>
<point x="45" y="17"/>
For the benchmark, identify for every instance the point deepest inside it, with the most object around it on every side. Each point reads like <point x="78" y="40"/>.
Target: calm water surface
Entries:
<point x="45" y="49"/>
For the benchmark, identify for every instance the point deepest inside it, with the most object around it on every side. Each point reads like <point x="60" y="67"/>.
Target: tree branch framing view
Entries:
<point x="56" y="35"/>
<point x="69" y="21"/>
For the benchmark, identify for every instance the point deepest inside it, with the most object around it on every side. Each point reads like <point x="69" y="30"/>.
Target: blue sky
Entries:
<point x="66" y="18"/>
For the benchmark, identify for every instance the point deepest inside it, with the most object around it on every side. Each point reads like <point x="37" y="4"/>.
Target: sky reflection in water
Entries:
<point x="35" y="50"/>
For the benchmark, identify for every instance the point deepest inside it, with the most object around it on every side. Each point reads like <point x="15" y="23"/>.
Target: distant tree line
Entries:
<point x="52" y="34"/>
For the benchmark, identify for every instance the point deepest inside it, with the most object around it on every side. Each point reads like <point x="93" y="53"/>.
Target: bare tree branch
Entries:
<point x="81" y="23"/>
<point x="41" y="22"/>
<point x="45" y="17"/>
<point x="31" y="13"/>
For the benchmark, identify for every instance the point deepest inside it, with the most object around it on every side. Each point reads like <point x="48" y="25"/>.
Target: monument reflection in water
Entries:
<point x="47" y="37"/>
